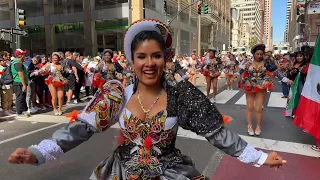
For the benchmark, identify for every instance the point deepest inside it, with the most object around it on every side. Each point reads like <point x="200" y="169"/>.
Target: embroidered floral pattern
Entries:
<point x="106" y="104"/>
<point x="147" y="137"/>
<point x="255" y="79"/>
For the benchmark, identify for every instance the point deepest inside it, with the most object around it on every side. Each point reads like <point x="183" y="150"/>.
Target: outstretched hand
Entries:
<point x="22" y="156"/>
<point x="274" y="160"/>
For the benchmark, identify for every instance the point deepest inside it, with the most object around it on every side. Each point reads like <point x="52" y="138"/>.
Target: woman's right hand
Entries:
<point x="22" y="156"/>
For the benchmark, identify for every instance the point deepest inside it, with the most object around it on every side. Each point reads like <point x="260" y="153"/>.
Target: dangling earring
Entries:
<point x="136" y="82"/>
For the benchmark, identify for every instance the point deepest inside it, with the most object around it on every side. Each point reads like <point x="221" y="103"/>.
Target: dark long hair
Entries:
<point x="141" y="37"/>
<point x="304" y="61"/>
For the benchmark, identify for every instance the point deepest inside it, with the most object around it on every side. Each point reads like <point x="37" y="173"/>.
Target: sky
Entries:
<point x="279" y="8"/>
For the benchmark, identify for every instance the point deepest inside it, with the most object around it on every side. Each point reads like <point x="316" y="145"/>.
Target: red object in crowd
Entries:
<point x="72" y="116"/>
<point x="19" y="52"/>
<point x="115" y="59"/>
<point x="97" y="82"/>
<point x="306" y="69"/>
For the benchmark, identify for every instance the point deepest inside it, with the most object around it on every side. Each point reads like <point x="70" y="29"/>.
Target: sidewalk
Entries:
<point x="298" y="168"/>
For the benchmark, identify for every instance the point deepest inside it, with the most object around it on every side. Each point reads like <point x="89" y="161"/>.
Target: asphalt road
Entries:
<point x="278" y="133"/>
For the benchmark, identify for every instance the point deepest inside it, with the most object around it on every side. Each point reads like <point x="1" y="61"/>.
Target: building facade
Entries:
<point x="251" y="11"/>
<point x="262" y="13"/>
<point x="89" y="26"/>
<point x="237" y="32"/>
<point x="311" y="28"/>
<point x="267" y="24"/>
<point x="288" y="14"/>
<point x="305" y="27"/>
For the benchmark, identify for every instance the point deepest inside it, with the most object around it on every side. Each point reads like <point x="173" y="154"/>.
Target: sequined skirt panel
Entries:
<point x="112" y="169"/>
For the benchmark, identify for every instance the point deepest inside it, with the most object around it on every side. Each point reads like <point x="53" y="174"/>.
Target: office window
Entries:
<point x="150" y="4"/>
<point x="65" y="6"/>
<point x="74" y="6"/>
<point x="33" y="8"/>
<point x="56" y="7"/>
<point x="4" y="12"/>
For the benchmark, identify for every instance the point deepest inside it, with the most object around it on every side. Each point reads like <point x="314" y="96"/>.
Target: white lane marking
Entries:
<point x="225" y="96"/>
<point x="242" y="100"/>
<point x="268" y="144"/>
<point x="275" y="100"/>
<point x="28" y="133"/>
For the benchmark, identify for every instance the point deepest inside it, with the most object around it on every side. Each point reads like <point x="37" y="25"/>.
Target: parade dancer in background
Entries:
<point x="55" y="81"/>
<point x="171" y="69"/>
<point x="256" y="78"/>
<point x="123" y="77"/>
<point x="212" y="70"/>
<point x="193" y="69"/>
<point x="231" y="67"/>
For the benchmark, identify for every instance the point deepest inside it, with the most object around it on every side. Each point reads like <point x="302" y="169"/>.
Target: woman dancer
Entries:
<point x="230" y="70"/>
<point x="109" y="69"/>
<point x="55" y="82"/>
<point x="149" y="125"/>
<point x="256" y="79"/>
<point x="123" y="77"/>
<point x="212" y="70"/>
<point x="193" y="69"/>
<point x="171" y="69"/>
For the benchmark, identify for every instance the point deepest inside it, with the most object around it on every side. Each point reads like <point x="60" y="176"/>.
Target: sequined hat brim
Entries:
<point x="145" y="25"/>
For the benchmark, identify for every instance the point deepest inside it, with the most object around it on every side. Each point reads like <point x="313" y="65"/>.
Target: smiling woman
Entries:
<point x="149" y="114"/>
<point x="149" y="63"/>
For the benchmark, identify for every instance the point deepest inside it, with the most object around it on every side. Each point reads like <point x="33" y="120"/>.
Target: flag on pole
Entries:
<point x="293" y="98"/>
<point x="307" y="116"/>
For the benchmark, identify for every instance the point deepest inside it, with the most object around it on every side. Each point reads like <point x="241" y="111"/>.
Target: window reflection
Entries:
<point x="4" y="12"/>
<point x="69" y="37"/>
<point x="33" y="8"/>
<point x="110" y="33"/>
<point x="65" y="6"/>
<point x="104" y="4"/>
<point x="151" y="4"/>
<point x="35" y="42"/>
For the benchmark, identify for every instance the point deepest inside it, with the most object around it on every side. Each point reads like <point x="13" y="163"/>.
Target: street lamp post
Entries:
<point x="16" y="23"/>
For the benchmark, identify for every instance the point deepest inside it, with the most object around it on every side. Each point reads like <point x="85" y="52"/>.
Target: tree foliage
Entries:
<point x="253" y="41"/>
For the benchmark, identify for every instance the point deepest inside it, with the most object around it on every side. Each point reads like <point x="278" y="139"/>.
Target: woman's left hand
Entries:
<point x="274" y="160"/>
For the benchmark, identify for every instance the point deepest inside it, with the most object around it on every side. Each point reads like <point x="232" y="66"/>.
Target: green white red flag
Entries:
<point x="293" y="98"/>
<point x="307" y="116"/>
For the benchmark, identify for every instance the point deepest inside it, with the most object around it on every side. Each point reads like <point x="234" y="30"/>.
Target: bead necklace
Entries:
<point x="147" y="112"/>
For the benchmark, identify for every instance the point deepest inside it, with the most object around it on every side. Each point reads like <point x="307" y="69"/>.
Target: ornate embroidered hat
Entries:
<point x="56" y="54"/>
<point x="147" y="25"/>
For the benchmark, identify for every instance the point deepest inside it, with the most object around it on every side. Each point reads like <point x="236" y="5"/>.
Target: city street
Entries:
<point x="278" y="134"/>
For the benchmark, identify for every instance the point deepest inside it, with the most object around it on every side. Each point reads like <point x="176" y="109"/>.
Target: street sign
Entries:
<point x="6" y="36"/>
<point x="313" y="10"/>
<point x="314" y="6"/>
<point x="19" y="32"/>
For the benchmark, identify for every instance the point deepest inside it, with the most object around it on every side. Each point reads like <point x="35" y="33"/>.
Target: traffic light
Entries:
<point x="205" y="8"/>
<point x="199" y="9"/>
<point x="298" y="9"/>
<point x="165" y="5"/>
<point x="21" y="18"/>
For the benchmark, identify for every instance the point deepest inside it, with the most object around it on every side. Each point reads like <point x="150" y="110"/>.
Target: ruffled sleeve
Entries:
<point x="100" y="113"/>
<point x="197" y="114"/>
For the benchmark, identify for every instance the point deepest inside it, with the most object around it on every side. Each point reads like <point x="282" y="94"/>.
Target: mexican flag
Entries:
<point x="307" y="116"/>
<point x="293" y="98"/>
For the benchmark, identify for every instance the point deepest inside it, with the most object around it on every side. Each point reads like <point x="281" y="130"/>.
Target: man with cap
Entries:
<point x="20" y="81"/>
